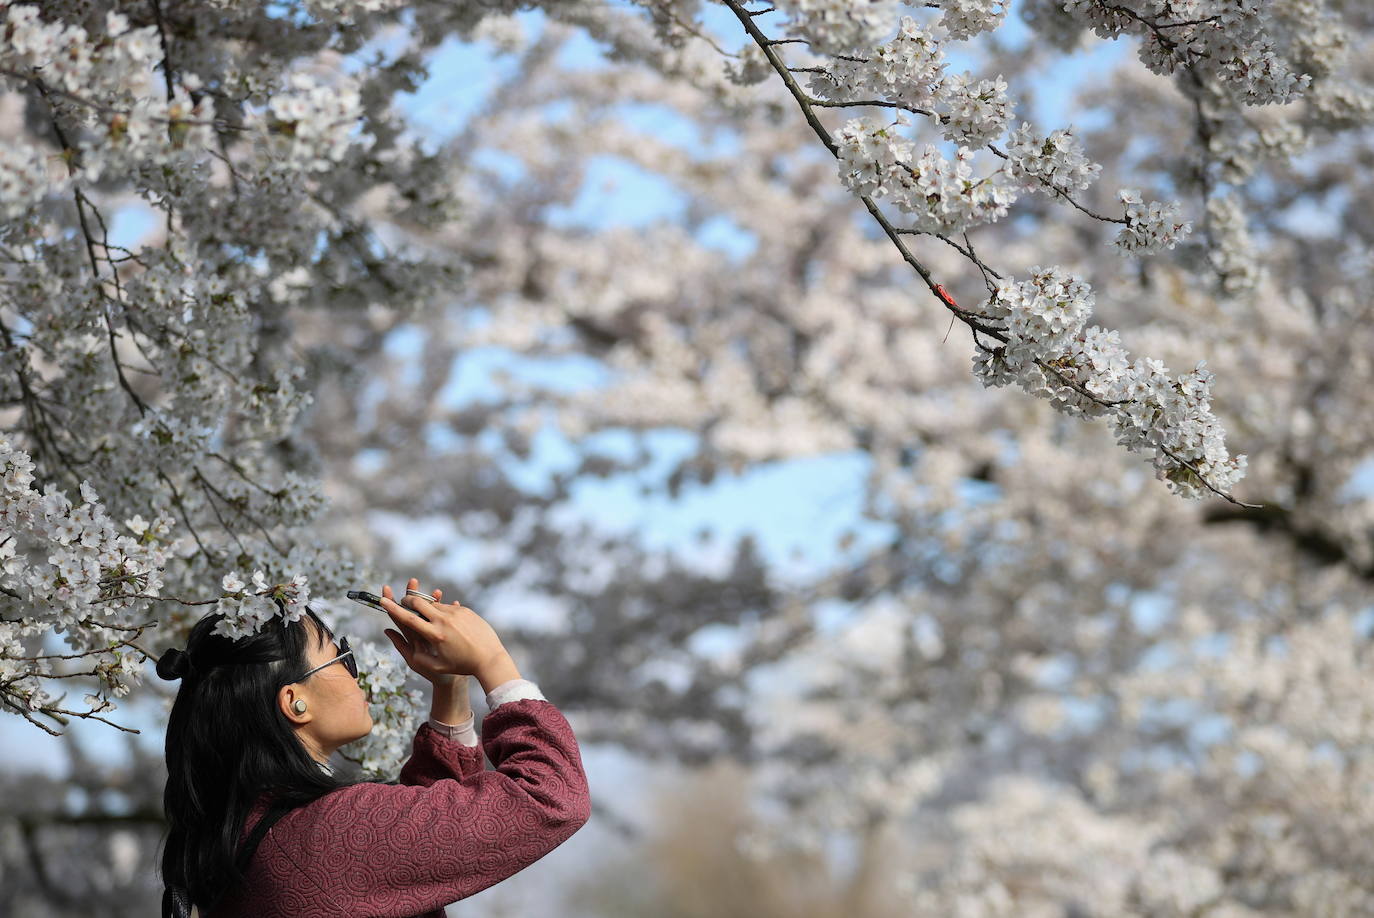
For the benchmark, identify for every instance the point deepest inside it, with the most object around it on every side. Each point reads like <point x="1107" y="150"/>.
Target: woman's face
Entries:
<point x="336" y="710"/>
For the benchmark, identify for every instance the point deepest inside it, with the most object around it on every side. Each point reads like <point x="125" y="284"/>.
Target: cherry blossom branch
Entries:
<point x="940" y="119"/>
<point x="90" y="252"/>
<point x="17" y="703"/>
<point x="970" y="318"/>
<point x="92" y="623"/>
<point x="184" y="602"/>
<point x="37" y="414"/>
<point x="965" y="250"/>
<point x="1154" y="225"/>
<point x="48" y="89"/>
<point x="204" y="486"/>
<point x="166" y="50"/>
<point x="1078" y="387"/>
<point x="1203" y="478"/>
<point x="1154" y="27"/>
<point x="1061" y="192"/>
<point x="267" y="536"/>
<point x="688" y="27"/>
<point x="211" y="556"/>
<point x="829" y="103"/>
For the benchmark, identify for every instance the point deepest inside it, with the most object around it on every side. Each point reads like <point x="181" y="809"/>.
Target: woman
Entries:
<point x="258" y="823"/>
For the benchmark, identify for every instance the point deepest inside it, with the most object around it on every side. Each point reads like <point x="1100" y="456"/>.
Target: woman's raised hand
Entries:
<point x="455" y="640"/>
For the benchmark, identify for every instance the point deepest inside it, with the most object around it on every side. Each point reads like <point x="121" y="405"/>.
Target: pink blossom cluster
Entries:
<point x="1055" y="163"/>
<point x="69" y="564"/>
<point x="941" y="195"/>
<point x="909" y="70"/>
<point x="966" y="18"/>
<point x="1233" y="41"/>
<point x="1048" y="353"/>
<point x="1150" y="226"/>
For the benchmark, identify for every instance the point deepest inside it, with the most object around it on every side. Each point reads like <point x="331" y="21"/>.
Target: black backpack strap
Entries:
<point x="250" y="844"/>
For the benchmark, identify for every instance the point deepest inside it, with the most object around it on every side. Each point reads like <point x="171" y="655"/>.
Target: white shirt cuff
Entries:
<point x="513" y="690"/>
<point x="462" y="732"/>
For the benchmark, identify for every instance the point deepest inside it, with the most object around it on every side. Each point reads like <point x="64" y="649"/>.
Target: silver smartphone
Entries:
<point x="372" y="600"/>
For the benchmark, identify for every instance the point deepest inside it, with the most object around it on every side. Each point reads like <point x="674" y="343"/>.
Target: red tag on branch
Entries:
<point x="943" y="294"/>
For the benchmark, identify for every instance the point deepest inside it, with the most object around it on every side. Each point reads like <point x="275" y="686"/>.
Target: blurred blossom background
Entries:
<point x="616" y="359"/>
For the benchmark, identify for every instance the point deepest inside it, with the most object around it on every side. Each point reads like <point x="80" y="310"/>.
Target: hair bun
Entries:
<point x="173" y="664"/>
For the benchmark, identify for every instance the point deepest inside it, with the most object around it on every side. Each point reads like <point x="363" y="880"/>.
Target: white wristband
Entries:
<point x="513" y="690"/>
<point x="462" y="732"/>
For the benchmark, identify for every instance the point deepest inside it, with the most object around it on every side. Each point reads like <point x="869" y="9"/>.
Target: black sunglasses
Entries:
<point x="349" y="662"/>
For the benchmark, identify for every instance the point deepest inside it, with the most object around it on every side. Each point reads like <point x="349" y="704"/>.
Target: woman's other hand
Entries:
<point x="456" y="641"/>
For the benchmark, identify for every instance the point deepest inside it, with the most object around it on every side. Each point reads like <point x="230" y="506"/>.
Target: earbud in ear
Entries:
<point x="299" y="707"/>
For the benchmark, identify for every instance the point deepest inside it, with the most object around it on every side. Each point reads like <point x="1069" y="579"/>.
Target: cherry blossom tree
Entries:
<point x="1105" y="693"/>
<point x="1031" y="583"/>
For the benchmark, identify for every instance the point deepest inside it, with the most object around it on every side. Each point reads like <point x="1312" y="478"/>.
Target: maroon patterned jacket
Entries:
<point x="447" y="830"/>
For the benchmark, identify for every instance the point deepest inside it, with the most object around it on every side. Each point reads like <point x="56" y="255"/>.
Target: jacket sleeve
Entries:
<point x="403" y="849"/>
<point x="432" y="753"/>
<point x="433" y="756"/>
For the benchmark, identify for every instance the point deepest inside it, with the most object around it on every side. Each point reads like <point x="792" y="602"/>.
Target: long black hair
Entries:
<point x="228" y="742"/>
